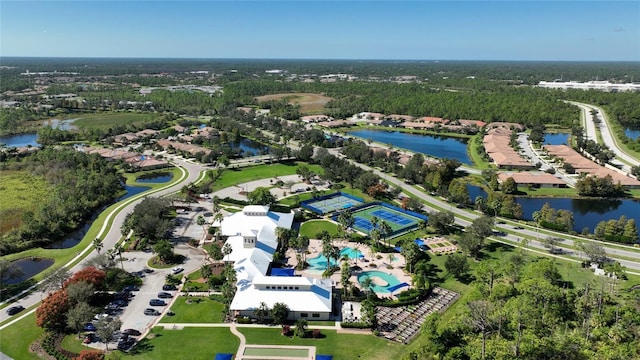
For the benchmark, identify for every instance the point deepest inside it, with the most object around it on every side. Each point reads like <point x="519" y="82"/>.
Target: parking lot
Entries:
<point x="132" y="315"/>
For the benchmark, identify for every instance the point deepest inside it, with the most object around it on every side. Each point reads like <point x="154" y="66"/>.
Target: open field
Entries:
<point x="188" y="343"/>
<point x="204" y="311"/>
<point x="232" y="177"/>
<point x="107" y="120"/>
<point x="341" y="346"/>
<point x="20" y="192"/>
<point x="314" y="227"/>
<point x="310" y="103"/>
<point x="22" y="334"/>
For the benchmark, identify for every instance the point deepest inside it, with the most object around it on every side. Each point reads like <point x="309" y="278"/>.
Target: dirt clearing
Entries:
<point x="310" y="103"/>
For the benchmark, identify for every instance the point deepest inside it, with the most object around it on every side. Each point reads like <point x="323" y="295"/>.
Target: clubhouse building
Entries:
<point x="251" y="234"/>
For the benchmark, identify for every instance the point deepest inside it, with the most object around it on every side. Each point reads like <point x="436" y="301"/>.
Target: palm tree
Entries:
<point x="374" y="222"/>
<point x="226" y="250"/>
<point x="537" y="217"/>
<point x="327" y="248"/>
<point x="367" y="283"/>
<point x="283" y="235"/>
<point x="97" y="243"/>
<point x="385" y="230"/>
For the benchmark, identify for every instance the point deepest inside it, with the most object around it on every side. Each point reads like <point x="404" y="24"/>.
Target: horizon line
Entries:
<point x="306" y="59"/>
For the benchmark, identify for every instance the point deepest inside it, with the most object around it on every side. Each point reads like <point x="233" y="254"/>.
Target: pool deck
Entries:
<point x="315" y="249"/>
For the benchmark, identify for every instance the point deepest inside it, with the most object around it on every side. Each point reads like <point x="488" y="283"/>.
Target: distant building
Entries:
<point x="590" y="85"/>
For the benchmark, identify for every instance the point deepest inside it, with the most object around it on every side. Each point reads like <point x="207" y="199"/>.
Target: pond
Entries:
<point x="434" y="146"/>
<point x="30" y="139"/>
<point x="28" y="268"/>
<point x="587" y="213"/>
<point x="76" y="236"/>
<point x="632" y="134"/>
<point x="556" y="138"/>
<point x="155" y="178"/>
<point x="248" y="147"/>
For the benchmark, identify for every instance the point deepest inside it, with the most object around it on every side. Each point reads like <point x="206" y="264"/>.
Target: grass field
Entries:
<point x="188" y="343"/>
<point x="341" y="346"/>
<point x="111" y="119"/>
<point x="314" y="227"/>
<point x="15" y="340"/>
<point x="205" y="311"/>
<point x="310" y="103"/>
<point x="232" y="177"/>
<point x="20" y="192"/>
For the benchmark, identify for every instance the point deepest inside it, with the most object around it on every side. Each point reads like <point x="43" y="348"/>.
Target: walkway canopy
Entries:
<point x="282" y="272"/>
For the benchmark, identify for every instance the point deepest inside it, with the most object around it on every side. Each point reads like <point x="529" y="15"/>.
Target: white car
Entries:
<point x="177" y="270"/>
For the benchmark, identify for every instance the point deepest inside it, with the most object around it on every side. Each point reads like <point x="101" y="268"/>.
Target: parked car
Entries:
<point x="91" y="337"/>
<point x="124" y="295"/>
<point x="157" y="302"/>
<point x="126" y="343"/>
<point x="119" y="302"/>
<point x="132" y="332"/>
<point x="164" y="295"/>
<point x="152" y="312"/>
<point x="139" y="274"/>
<point x="131" y="288"/>
<point x="89" y="327"/>
<point x="177" y="270"/>
<point x="147" y="270"/>
<point x="101" y="316"/>
<point x="14" y="310"/>
<point x="169" y="287"/>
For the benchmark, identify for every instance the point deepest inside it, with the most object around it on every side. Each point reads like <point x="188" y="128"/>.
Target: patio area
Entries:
<point x="367" y="260"/>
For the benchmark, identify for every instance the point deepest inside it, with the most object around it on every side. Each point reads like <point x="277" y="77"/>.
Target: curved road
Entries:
<point x="607" y="136"/>
<point x="191" y="173"/>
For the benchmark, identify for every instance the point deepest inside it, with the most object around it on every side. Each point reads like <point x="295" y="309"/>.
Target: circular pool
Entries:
<point x="381" y="282"/>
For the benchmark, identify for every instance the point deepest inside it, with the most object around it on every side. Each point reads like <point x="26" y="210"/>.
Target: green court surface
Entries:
<point x="395" y="219"/>
<point x="271" y="351"/>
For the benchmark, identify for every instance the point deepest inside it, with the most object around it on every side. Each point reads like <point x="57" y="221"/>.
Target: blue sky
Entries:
<point x="421" y="30"/>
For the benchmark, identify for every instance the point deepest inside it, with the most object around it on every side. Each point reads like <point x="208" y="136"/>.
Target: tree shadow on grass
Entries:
<point x="143" y="346"/>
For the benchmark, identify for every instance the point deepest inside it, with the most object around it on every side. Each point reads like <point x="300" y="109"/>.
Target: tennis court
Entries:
<point x="331" y="203"/>
<point x="399" y="221"/>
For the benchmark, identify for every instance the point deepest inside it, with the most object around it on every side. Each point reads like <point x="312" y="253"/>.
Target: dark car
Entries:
<point x="89" y="327"/>
<point x="14" y="310"/>
<point x="168" y="287"/>
<point x="147" y="270"/>
<point x="91" y="337"/>
<point x="124" y="295"/>
<point x="132" y="332"/>
<point x="119" y="302"/>
<point x="157" y="302"/>
<point x="164" y="295"/>
<point x="153" y="312"/>
<point x="131" y="288"/>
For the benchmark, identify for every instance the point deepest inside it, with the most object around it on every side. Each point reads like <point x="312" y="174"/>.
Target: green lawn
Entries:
<point x="74" y="344"/>
<point x="341" y="346"/>
<point x="474" y="150"/>
<point x="15" y="339"/>
<point x="313" y="227"/>
<point x="548" y="192"/>
<point x="111" y="119"/>
<point x="188" y="343"/>
<point x="231" y="177"/>
<point x="206" y="311"/>
<point x="20" y="192"/>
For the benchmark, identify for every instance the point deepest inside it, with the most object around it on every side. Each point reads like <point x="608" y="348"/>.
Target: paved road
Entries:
<point x="607" y="136"/>
<point x="191" y="172"/>
<point x="535" y="157"/>
<point x="527" y="231"/>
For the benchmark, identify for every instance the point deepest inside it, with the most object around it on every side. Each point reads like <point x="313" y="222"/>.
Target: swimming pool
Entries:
<point x="320" y="262"/>
<point x="382" y="282"/>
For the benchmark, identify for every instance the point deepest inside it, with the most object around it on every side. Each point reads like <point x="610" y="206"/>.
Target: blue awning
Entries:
<point x="224" y="357"/>
<point x="282" y="272"/>
<point x="324" y="357"/>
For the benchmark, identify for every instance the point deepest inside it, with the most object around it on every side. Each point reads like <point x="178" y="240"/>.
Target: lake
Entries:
<point x="155" y="178"/>
<point x="586" y="212"/>
<point x="29" y="139"/>
<point x="434" y="146"/>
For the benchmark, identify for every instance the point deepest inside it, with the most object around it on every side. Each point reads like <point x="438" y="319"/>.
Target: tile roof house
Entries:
<point x="533" y="179"/>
